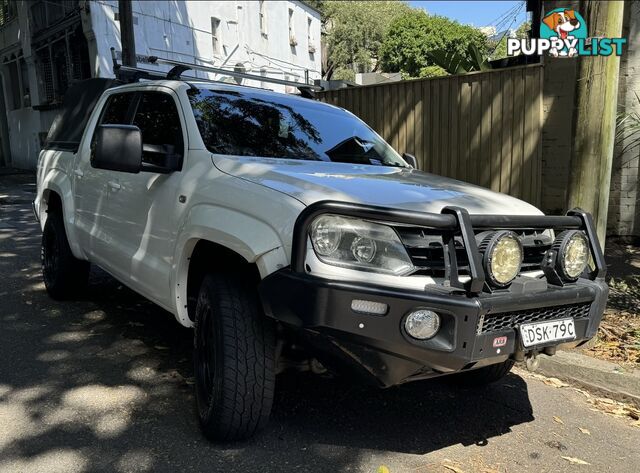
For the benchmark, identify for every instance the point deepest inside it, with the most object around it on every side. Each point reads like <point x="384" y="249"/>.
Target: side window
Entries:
<point x="116" y="110"/>
<point x="158" y="120"/>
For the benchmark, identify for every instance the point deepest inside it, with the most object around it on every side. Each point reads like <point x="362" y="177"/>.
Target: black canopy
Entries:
<point x="79" y="101"/>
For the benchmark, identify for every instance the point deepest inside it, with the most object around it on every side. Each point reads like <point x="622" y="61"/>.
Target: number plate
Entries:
<point x="541" y="333"/>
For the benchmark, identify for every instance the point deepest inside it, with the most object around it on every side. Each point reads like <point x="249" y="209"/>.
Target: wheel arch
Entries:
<point x="240" y="240"/>
<point x="56" y="194"/>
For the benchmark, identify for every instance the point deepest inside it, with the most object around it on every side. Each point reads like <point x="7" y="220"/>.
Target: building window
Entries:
<point x="24" y="81"/>
<point x="45" y="13"/>
<point x="215" y="34"/>
<point x="263" y="18"/>
<point x="14" y="85"/>
<point x="60" y="63"/>
<point x="310" y="41"/>
<point x="7" y="11"/>
<point x="292" y="33"/>
<point x="17" y="81"/>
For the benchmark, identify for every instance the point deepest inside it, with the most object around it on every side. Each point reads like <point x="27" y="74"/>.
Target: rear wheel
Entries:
<point x="234" y="351"/>
<point x="64" y="275"/>
<point x="485" y="375"/>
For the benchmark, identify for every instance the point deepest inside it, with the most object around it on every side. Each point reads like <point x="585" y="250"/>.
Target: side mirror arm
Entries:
<point x="411" y="160"/>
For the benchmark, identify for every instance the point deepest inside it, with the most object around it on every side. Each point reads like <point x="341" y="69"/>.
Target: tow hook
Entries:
<point x="532" y="361"/>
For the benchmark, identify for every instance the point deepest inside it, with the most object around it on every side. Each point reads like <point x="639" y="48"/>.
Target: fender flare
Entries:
<point x="58" y="181"/>
<point x="227" y="228"/>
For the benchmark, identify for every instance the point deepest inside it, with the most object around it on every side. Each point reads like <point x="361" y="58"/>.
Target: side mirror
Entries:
<point x="160" y="158"/>
<point x="117" y="148"/>
<point x="411" y="160"/>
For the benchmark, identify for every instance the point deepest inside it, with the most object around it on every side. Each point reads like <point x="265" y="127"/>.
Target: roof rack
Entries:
<point x="134" y="74"/>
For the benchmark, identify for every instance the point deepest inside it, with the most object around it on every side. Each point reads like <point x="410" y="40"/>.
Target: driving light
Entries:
<point x="422" y="324"/>
<point x="502" y="257"/>
<point x="359" y="244"/>
<point x="573" y="254"/>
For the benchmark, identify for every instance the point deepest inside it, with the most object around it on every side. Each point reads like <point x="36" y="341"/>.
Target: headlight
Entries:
<point x="573" y="254"/>
<point x="358" y="244"/>
<point x="502" y="257"/>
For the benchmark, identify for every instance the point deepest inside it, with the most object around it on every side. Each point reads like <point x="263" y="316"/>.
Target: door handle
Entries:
<point x="78" y="173"/>
<point x="114" y="185"/>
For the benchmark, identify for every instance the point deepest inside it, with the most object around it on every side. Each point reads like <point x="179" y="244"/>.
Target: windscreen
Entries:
<point x="249" y="123"/>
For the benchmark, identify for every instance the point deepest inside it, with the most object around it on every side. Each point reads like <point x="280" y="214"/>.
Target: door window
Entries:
<point x="158" y="120"/>
<point x="116" y="111"/>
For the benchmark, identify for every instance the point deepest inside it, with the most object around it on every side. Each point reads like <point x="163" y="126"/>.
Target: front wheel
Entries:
<point x="234" y="358"/>
<point x="64" y="275"/>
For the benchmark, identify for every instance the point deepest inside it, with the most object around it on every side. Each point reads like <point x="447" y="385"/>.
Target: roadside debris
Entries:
<point x="608" y="406"/>
<point x="576" y="461"/>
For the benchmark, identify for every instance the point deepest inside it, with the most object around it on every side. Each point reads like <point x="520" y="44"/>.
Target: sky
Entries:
<point x="505" y="14"/>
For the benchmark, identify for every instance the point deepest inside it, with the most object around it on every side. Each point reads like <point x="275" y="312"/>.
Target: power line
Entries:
<point x="506" y="31"/>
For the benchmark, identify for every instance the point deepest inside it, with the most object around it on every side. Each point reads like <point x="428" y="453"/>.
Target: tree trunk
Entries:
<point x="595" y="116"/>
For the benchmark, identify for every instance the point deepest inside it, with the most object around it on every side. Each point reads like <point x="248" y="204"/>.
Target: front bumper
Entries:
<point x="377" y="348"/>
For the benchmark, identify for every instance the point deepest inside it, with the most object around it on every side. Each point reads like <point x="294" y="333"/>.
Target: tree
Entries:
<point x="595" y="117"/>
<point x="414" y="36"/>
<point x="353" y="33"/>
<point x="500" y="47"/>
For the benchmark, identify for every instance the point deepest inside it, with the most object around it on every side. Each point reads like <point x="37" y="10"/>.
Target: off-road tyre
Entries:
<point x="65" y="276"/>
<point x="234" y="359"/>
<point x="485" y="375"/>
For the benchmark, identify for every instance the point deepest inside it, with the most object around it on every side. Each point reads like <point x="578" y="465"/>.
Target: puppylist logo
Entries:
<point x="563" y="33"/>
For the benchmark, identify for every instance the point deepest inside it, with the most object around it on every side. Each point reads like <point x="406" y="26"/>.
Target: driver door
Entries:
<point x="141" y="218"/>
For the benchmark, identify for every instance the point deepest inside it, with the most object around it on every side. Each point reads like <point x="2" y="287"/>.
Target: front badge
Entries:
<point x="499" y="342"/>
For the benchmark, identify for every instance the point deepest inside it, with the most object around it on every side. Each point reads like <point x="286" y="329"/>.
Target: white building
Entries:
<point x="46" y="45"/>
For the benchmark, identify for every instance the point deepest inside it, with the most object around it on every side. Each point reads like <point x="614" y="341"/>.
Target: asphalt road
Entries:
<point x="105" y="384"/>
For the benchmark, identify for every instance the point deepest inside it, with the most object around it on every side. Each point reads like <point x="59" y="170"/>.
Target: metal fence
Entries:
<point x="484" y="127"/>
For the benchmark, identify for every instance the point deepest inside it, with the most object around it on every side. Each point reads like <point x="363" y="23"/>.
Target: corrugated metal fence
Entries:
<point x="483" y="127"/>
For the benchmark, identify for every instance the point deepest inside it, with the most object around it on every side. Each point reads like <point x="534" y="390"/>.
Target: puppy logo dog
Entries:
<point x="563" y="24"/>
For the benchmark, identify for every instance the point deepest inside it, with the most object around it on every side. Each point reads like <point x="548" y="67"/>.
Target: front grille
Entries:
<point x="510" y="320"/>
<point x="426" y="250"/>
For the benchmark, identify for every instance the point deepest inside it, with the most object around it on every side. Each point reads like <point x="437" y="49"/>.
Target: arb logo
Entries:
<point x="563" y="33"/>
<point x="499" y="342"/>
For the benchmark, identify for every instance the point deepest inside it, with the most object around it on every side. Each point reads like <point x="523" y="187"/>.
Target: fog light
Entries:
<point x="422" y="324"/>
<point x="369" y="307"/>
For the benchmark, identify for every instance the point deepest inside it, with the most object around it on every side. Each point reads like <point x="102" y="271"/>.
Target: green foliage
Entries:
<point x="354" y="31"/>
<point x="432" y="71"/>
<point x="344" y="73"/>
<point x="454" y="63"/>
<point x="499" y="48"/>
<point x="416" y="38"/>
<point x="628" y="128"/>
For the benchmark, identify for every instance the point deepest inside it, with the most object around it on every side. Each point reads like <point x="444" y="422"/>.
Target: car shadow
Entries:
<point x="416" y="418"/>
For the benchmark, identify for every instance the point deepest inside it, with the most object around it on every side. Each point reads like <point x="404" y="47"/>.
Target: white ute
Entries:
<point x="280" y="227"/>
